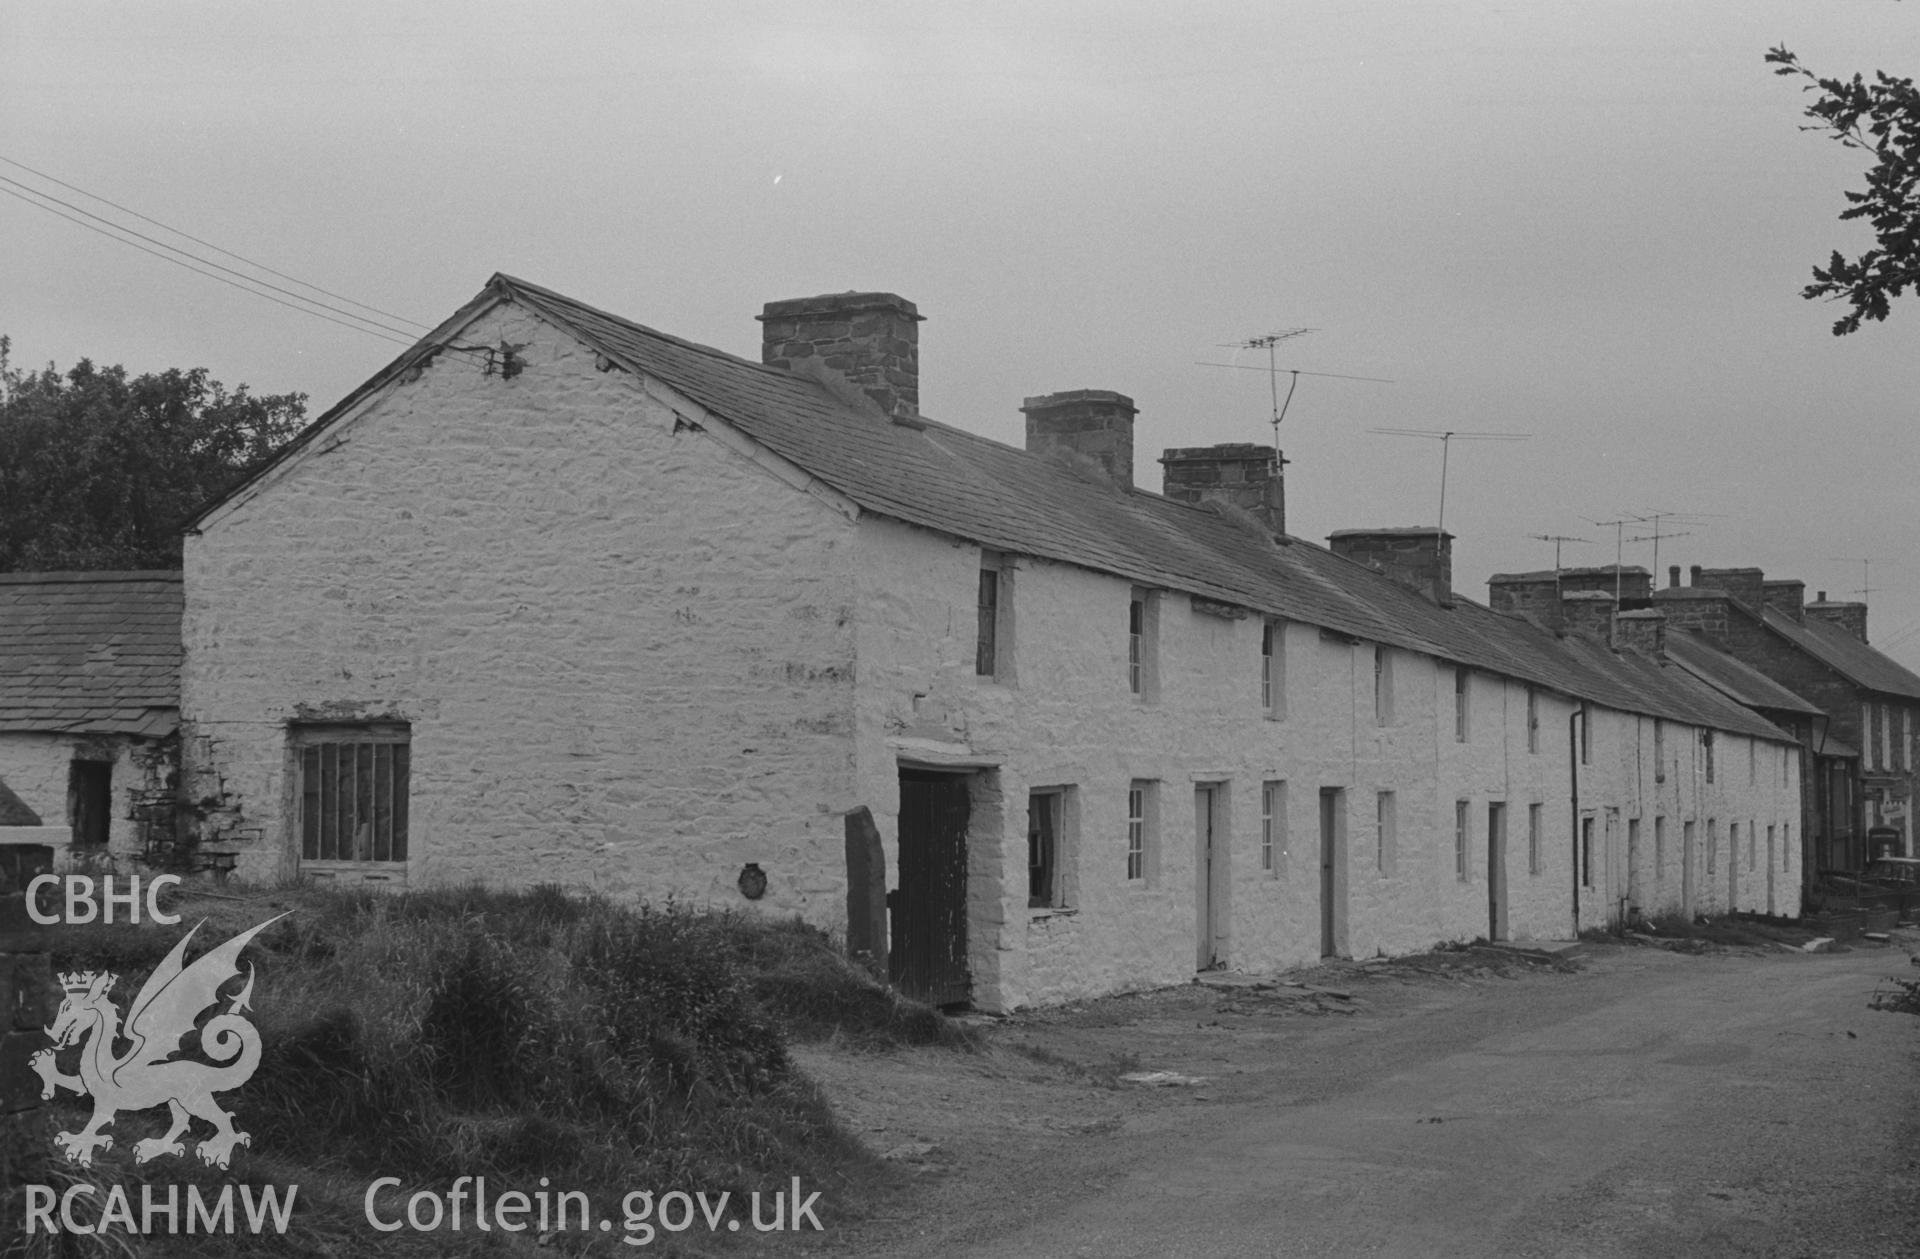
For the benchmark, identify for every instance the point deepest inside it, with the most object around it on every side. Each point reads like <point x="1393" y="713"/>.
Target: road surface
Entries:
<point x="1654" y="1104"/>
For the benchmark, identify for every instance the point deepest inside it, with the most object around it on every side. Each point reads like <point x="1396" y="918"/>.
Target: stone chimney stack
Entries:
<point x="1788" y="596"/>
<point x="1673" y="577"/>
<point x="1589" y="610"/>
<point x="1703" y="608"/>
<point x="1643" y="628"/>
<point x="1238" y="474"/>
<point x="858" y="344"/>
<point x="1539" y="594"/>
<point x="1531" y="594"/>
<point x="1851" y="617"/>
<point x="1420" y="557"/>
<point x="1097" y="423"/>
<point x="1747" y="586"/>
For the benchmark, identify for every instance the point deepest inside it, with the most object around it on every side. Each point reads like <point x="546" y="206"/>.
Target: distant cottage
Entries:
<point x="89" y="717"/>
<point x="559" y="598"/>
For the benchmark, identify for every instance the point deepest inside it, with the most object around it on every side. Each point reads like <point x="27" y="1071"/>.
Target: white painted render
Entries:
<point x="36" y="767"/>
<point x="625" y="650"/>
<point x="636" y="652"/>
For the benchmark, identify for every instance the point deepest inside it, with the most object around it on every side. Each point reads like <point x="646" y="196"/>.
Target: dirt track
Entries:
<point x="1731" y="1103"/>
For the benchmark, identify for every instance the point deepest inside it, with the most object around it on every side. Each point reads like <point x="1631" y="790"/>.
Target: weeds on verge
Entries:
<point x="514" y="1035"/>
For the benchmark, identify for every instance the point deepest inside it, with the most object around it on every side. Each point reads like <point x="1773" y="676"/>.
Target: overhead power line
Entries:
<point x="94" y="196"/>
<point x="187" y="258"/>
<point x="210" y="275"/>
<point x="250" y="283"/>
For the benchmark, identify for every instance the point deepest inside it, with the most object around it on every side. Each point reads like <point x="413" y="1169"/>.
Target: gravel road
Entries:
<point x="1653" y="1104"/>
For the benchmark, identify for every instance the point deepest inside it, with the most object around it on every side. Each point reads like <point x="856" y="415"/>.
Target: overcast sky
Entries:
<point x="1587" y="222"/>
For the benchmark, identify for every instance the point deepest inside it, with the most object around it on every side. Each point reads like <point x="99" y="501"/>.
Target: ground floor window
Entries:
<point x="1273" y="827"/>
<point x="353" y="790"/>
<point x="1045" y="850"/>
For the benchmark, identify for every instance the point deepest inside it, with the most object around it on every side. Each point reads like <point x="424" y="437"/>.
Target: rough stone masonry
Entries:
<point x="26" y="987"/>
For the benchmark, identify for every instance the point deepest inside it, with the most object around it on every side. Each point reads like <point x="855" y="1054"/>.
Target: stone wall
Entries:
<point x="623" y="644"/>
<point x="36" y="767"/>
<point x="26" y="1006"/>
<point x="1655" y="773"/>
<point x="869" y="342"/>
<point x="1071" y="722"/>
<point x="1419" y="558"/>
<point x="1237" y="474"/>
<point x="1097" y="423"/>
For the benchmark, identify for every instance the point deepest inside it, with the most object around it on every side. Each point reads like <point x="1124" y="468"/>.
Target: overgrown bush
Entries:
<point x="471" y="1032"/>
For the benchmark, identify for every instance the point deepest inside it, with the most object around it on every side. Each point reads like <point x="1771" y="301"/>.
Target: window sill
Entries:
<point x="1036" y="913"/>
<point x="343" y="873"/>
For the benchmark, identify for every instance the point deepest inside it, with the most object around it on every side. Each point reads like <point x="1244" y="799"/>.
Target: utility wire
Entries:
<point x="207" y="243"/>
<point x="373" y="323"/>
<point x="383" y="335"/>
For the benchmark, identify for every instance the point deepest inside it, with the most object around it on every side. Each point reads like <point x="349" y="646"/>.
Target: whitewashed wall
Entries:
<point x="36" y="767"/>
<point x="1756" y="785"/>
<point x="625" y="650"/>
<point x="634" y="657"/>
<point x="1064" y="717"/>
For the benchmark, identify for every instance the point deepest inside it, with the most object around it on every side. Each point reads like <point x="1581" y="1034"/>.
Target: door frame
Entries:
<point x="1212" y="874"/>
<point x="1496" y="870"/>
<point x="1333" y="872"/>
<point x="927" y="915"/>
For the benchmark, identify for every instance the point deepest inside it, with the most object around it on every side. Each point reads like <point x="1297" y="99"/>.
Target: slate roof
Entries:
<point x="1743" y="682"/>
<point x="946" y="479"/>
<point x="1844" y="654"/>
<point x="90" y="653"/>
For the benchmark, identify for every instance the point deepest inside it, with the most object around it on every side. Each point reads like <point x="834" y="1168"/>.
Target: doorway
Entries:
<point x="1772" y="896"/>
<point x="1333" y="883"/>
<point x="927" y="913"/>
<point x="1212" y="856"/>
<point x="1497" y="870"/>
<point x="1686" y="869"/>
<point x="1733" y="866"/>
<point x="1636" y="891"/>
<point x="90" y="802"/>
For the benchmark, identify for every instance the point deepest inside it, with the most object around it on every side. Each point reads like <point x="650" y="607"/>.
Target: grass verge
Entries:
<point x="541" y="1039"/>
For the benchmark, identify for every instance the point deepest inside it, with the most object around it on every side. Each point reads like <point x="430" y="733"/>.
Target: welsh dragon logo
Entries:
<point x="148" y="1074"/>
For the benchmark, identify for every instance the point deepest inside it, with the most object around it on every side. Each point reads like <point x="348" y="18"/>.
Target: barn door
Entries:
<point x="928" y="911"/>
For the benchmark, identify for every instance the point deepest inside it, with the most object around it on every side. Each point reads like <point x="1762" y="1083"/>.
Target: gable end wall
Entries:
<point x="625" y="651"/>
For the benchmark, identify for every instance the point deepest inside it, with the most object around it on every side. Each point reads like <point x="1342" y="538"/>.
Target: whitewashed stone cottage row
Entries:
<point x="559" y="598"/>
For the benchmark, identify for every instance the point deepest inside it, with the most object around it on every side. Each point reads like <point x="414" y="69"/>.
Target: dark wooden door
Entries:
<point x="1496" y="871"/>
<point x="1332" y="913"/>
<point x="90" y="802"/>
<point x="927" y="928"/>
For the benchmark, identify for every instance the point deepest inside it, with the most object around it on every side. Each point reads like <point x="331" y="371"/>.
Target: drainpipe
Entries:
<point x="1573" y="777"/>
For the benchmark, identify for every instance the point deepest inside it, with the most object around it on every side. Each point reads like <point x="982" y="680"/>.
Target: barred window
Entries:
<point x="353" y="792"/>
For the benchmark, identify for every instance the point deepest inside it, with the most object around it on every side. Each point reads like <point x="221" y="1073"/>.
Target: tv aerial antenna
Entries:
<point x="1697" y="519"/>
<point x="1273" y="370"/>
<point x="1556" y="539"/>
<point x="1446" y="438"/>
<point x="1866" y="563"/>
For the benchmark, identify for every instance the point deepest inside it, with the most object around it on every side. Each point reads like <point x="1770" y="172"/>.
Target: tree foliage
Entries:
<point x="1881" y="118"/>
<point x="100" y="470"/>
